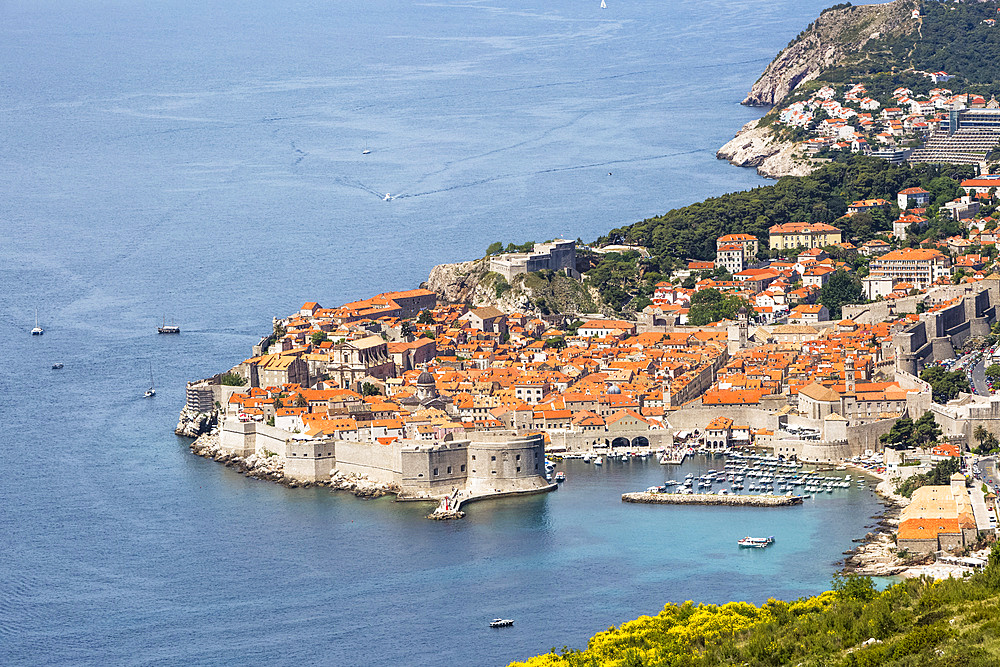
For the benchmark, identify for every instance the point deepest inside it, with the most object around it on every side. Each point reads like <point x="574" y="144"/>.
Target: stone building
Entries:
<point x="803" y="235"/>
<point x="938" y="518"/>
<point x="558" y="255"/>
<point x="352" y="360"/>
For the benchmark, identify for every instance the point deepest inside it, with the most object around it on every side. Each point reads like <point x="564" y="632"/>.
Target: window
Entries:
<point x="518" y="457"/>
<point x="435" y="472"/>
<point x="536" y="466"/>
<point x="449" y="469"/>
<point x="463" y="469"/>
<point x="493" y="458"/>
<point x="519" y="468"/>
<point x="473" y="457"/>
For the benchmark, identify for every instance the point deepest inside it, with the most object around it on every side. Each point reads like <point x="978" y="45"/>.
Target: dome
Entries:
<point x="614" y="389"/>
<point x="425" y="378"/>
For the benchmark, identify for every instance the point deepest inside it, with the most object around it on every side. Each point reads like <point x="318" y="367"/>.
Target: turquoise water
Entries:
<point x="203" y="161"/>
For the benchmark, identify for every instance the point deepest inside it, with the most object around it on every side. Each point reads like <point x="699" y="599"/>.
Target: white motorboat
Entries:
<point x="755" y="542"/>
<point x="152" y="389"/>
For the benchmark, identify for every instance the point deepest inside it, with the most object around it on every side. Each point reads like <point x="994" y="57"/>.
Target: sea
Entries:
<point x="201" y="163"/>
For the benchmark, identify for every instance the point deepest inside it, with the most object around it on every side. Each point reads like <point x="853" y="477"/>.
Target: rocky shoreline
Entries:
<point x="755" y="146"/>
<point x="877" y="554"/>
<point x="192" y="424"/>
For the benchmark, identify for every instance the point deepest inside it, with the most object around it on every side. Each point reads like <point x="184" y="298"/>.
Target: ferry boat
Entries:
<point x="755" y="542"/>
<point x="501" y="622"/>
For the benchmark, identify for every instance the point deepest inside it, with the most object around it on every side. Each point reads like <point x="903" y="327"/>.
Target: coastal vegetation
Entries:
<point x="914" y="622"/>
<point x="909" y="434"/>
<point x="690" y="232"/>
<point x="945" y="385"/>
<point x="939" y="475"/>
<point x="230" y="379"/>
<point x="711" y="305"/>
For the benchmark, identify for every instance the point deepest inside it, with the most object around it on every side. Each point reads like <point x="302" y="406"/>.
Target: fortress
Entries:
<point x="496" y="462"/>
<point x="558" y="255"/>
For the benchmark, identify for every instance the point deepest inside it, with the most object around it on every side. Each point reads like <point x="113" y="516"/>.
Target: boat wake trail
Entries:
<point x="551" y="170"/>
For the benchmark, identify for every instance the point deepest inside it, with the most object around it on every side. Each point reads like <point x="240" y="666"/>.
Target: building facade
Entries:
<point x="918" y="267"/>
<point x="803" y="235"/>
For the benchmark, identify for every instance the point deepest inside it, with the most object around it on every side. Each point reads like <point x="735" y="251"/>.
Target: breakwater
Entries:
<point x="709" y="499"/>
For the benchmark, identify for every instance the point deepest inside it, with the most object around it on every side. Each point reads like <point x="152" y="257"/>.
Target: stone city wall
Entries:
<point x="379" y="463"/>
<point x="590" y="441"/>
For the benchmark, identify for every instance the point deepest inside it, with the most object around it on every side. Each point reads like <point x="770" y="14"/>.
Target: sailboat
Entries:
<point x="367" y="150"/>
<point x="168" y="328"/>
<point x="152" y="390"/>
<point x="37" y="331"/>
<point x="603" y="5"/>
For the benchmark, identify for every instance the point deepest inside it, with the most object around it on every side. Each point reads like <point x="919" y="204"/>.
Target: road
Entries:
<point x="979" y="378"/>
<point x="988" y="474"/>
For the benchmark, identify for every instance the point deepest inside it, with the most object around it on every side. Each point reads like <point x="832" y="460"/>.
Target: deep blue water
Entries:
<point x="202" y="161"/>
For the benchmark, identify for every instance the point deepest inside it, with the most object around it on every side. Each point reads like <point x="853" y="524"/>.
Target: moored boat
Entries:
<point x="755" y="542"/>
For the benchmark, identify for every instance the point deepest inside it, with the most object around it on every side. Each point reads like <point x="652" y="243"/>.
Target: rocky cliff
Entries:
<point x="758" y="147"/>
<point x="835" y="38"/>
<point x="836" y="35"/>
<point x="534" y="293"/>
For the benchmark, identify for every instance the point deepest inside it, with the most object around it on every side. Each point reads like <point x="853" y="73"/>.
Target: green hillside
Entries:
<point x="951" y="623"/>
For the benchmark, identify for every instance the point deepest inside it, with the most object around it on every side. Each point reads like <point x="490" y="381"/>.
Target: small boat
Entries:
<point x="560" y="476"/>
<point x="501" y="622"/>
<point x="388" y="197"/>
<point x="755" y="542"/>
<point x="152" y="390"/>
<point x="598" y="461"/>
<point x="37" y="331"/>
<point x="168" y="328"/>
<point x="57" y="365"/>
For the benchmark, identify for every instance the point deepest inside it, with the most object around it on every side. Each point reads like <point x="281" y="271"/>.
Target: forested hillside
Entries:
<point x="823" y="196"/>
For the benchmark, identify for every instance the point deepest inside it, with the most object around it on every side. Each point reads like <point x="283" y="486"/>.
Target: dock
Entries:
<point x="710" y="499"/>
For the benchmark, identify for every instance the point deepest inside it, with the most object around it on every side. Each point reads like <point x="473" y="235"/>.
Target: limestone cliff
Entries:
<point x="758" y="147"/>
<point x="833" y="39"/>
<point x="534" y="293"/>
<point x="837" y="34"/>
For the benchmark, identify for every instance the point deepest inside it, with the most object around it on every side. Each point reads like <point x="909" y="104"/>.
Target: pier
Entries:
<point x="450" y="506"/>
<point x="710" y="499"/>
